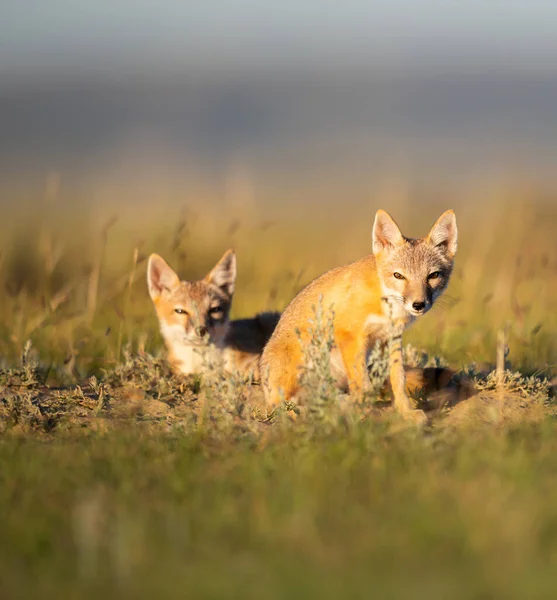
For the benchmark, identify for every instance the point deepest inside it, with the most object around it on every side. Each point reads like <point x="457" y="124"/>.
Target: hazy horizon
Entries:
<point x="418" y="85"/>
<point x="62" y="39"/>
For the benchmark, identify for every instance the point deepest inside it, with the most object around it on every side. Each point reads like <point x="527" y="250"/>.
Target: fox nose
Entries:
<point x="201" y="331"/>
<point x="418" y="305"/>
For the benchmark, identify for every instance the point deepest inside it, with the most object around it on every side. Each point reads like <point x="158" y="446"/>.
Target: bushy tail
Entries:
<point x="437" y="387"/>
<point x="267" y="321"/>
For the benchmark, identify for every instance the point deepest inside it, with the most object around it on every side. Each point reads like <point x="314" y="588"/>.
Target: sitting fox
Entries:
<point x="194" y="318"/>
<point x="371" y="300"/>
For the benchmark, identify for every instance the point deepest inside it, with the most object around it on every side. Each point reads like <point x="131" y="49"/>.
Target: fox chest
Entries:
<point x="191" y="359"/>
<point x="379" y="327"/>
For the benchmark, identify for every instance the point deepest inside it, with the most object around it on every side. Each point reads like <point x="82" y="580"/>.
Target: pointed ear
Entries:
<point x="160" y="277"/>
<point x="223" y="274"/>
<point x="444" y="234"/>
<point x="386" y="233"/>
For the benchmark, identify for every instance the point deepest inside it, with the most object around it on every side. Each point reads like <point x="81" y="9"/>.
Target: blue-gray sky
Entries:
<point x="62" y="35"/>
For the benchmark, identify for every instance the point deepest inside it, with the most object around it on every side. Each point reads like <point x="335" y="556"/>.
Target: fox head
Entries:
<point x="414" y="272"/>
<point x="193" y="313"/>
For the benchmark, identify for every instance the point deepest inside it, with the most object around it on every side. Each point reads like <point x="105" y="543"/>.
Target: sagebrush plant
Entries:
<point x="22" y="390"/>
<point x="317" y="382"/>
<point x="533" y="387"/>
<point x="151" y="374"/>
<point x="414" y="357"/>
<point x="30" y="373"/>
<point x="378" y="363"/>
<point x="224" y="396"/>
<point x="319" y="386"/>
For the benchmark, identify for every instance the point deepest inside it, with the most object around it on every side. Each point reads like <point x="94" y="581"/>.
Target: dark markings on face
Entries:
<point x="201" y="306"/>
<point x="416" y="271"/>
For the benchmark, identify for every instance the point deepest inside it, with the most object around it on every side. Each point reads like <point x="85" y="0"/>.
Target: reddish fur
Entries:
<point x="363" y="309"/>
<point x="353" y="294"/>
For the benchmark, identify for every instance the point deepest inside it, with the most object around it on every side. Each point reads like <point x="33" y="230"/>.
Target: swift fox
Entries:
<point x="373" y="299"/>
<point x="194" y="318"/>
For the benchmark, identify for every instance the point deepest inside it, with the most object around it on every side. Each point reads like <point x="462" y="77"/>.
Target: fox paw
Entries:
<point x="417" y="417"/>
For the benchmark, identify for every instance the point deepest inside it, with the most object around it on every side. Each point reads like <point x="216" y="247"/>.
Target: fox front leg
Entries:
<point x="353" y="351"/>
<point x="402" y="403"/>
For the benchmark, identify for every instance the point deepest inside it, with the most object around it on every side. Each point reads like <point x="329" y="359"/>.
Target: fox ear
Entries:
<point x="444" y="234"/>
<point x="386" y="233"/>
<point x="223" y="274"/>
<point x="160" y="277"/>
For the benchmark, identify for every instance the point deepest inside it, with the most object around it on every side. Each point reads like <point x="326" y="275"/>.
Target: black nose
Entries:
<point x="418" y="305"/>
<point x="201" y="332"/>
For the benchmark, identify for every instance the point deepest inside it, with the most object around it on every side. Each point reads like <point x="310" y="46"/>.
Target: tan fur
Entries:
<point x="368" y="304"/>
<point x="201" y="331"/>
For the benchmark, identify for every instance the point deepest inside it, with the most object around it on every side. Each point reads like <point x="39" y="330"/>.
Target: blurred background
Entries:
<point x="278" y="128"/>
<point x="435" y="88"/>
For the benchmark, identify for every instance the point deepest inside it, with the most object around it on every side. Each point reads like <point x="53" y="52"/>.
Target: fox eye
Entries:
<point x="397" y="275"/>
<point x="434" y="275"/>
<point x="180" y="311"/>
<point x="215" y="311"/>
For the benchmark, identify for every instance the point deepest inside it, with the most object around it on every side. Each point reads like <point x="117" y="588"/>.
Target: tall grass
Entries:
<point x="73" y="262"/>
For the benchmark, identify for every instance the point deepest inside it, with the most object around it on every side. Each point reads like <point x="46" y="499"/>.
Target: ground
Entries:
<point x="142" y="483"/>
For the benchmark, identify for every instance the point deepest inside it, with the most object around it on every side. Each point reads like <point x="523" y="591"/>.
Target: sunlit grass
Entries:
<point x="66" y="271"/>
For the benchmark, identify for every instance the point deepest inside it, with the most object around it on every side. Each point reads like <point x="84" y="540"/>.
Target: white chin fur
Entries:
<point x="175" y="334"/>
<point x="416" y="313"/>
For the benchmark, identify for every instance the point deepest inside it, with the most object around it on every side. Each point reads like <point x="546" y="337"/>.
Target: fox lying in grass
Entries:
<point x="372" y="300"/>
<point x="194" y="319"/>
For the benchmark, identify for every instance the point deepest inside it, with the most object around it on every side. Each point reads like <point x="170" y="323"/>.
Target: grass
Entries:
<point x="121" y="479"/>
<point x="135" y="513"/>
